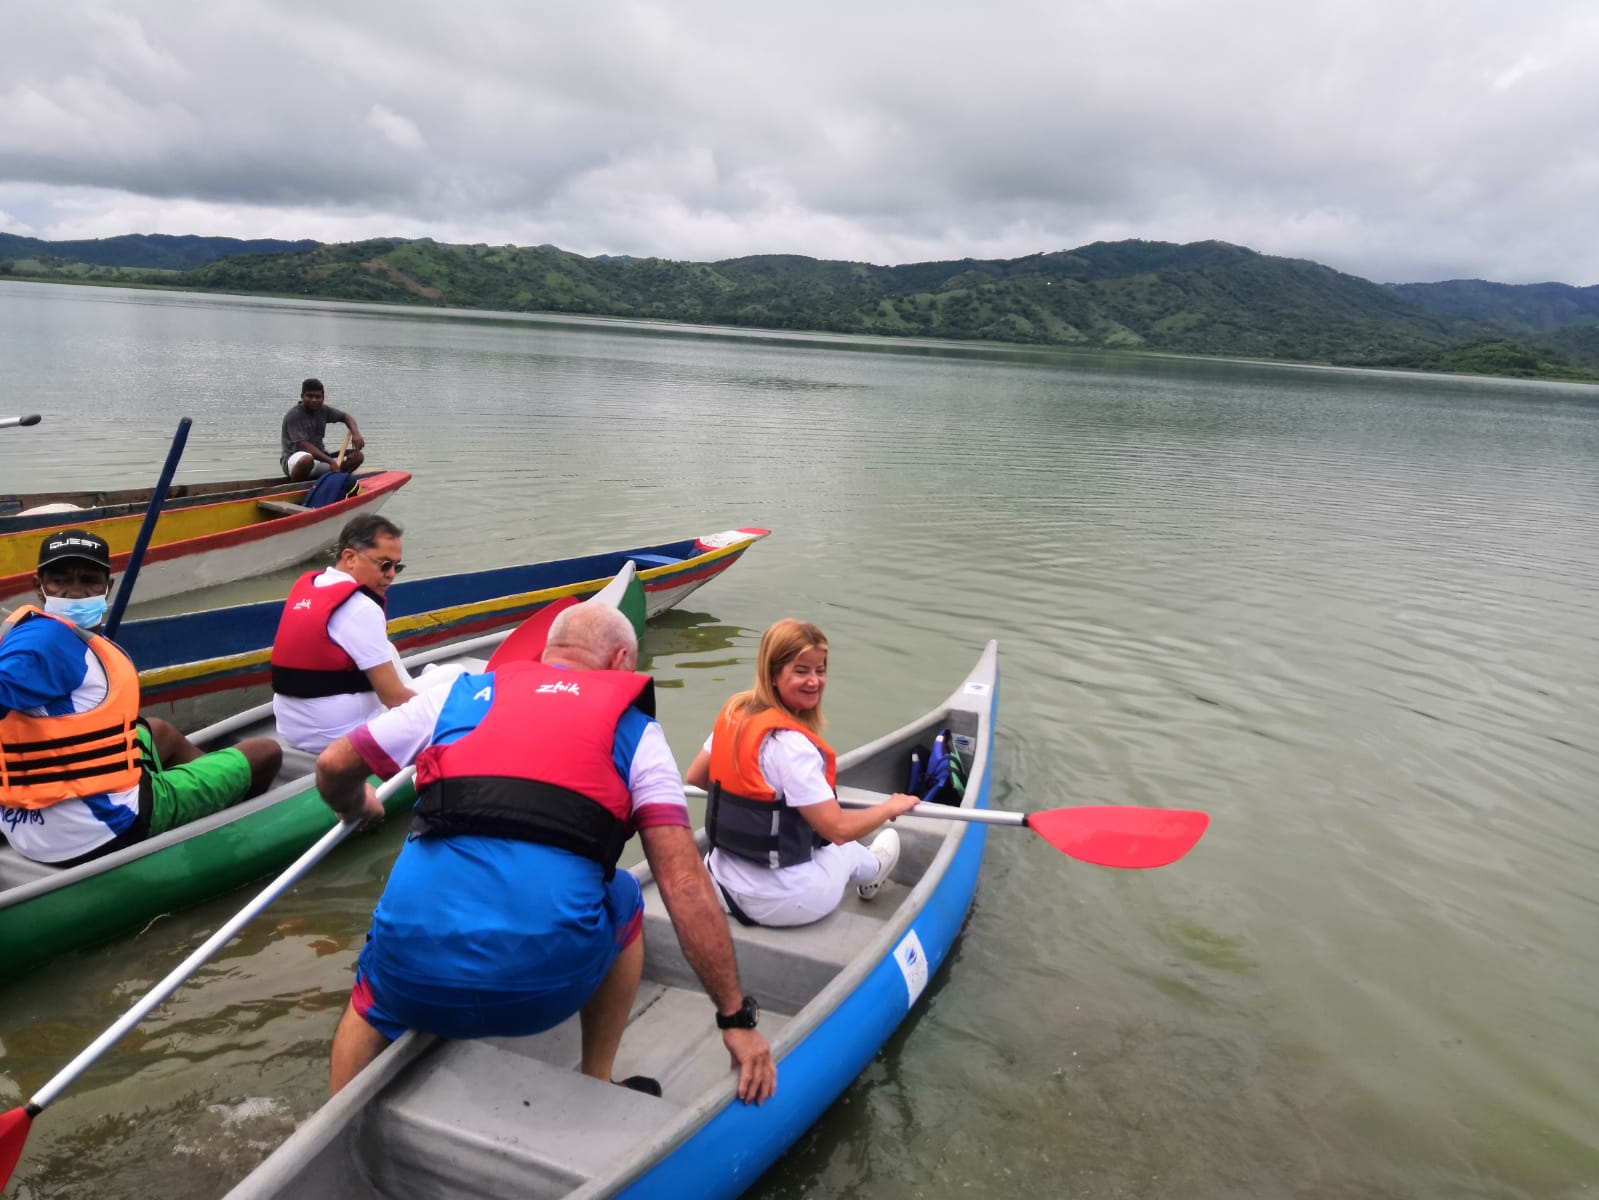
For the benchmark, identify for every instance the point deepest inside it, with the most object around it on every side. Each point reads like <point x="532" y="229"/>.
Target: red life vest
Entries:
<point x="744" y="815"/>
<point x="45" y="760"/>
<point x="539" y="766"/>
<point x="306" y="662"/>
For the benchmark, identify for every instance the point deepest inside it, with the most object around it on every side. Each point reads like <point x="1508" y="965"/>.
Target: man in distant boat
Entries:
<point x="304" y="454"/>
<point x="333" y="667"/>
<point x="84" y="774"/>
<point x="505" y="914"/>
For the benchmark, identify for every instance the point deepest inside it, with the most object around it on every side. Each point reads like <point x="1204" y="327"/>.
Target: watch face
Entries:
<point x="748" y="1014"/>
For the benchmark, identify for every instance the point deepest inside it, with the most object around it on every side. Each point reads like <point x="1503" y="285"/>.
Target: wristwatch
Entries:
<point x="744" y="1017"/>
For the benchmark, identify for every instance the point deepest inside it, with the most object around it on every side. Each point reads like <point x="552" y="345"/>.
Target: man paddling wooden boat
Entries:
<point x="304" y="454"/>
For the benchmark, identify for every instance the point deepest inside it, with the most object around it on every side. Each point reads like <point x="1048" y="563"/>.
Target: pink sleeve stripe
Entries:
<point x="652" y="815"/>
<point x="375" y="757"/>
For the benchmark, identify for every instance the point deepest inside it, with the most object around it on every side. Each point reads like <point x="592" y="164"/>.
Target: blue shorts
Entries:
<point x="392" y="1003"/>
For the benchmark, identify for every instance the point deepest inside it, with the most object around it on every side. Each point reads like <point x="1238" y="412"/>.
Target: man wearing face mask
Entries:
<point x="83" y="773"/>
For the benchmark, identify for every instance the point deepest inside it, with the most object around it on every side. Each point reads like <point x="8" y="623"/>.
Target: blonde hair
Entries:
<point x="781" y="644"/>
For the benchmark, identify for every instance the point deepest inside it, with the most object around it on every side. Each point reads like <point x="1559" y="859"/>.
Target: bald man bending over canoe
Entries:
<point x="505" y="914"/>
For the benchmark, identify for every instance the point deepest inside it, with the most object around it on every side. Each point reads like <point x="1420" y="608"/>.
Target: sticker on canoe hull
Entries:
<point x="912" y="960"/>
<point x="719" y="541"/>
<point x="978" y="689"/>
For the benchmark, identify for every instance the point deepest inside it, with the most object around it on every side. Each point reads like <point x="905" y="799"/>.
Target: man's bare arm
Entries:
<point x="701" y="929"/>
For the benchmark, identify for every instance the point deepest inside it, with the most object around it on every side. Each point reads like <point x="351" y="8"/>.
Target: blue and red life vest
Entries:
<point x="45" y="760"/>
<point x="539" y="767"/>
<point x="306" y="661"/>
<point x="744" y="814"/>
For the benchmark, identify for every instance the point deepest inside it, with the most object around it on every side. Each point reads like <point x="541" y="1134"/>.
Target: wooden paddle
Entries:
<point x="14" y="1125"/>
<point x="8" y="422"/>
<point x="151" y="515"/>
<point x="1105" y="835"/>
<point x="338" y="463"/>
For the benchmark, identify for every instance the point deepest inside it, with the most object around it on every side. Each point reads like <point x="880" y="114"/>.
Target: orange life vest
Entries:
<point x="744" y="815"/>
<point x="45" y="760"/>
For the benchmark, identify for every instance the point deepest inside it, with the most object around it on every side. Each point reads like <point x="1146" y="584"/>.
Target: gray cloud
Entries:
<point x="1414" y="141"/>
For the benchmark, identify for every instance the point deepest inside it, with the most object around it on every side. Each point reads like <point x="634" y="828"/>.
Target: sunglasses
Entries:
<point x="386" y="564"/>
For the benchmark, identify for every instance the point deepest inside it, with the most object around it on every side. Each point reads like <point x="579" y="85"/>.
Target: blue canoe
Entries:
<point x="514" y="1118"/>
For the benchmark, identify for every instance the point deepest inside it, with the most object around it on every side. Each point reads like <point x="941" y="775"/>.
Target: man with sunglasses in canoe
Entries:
<point x="81" y="773"/>
<point x="333" y="667"/>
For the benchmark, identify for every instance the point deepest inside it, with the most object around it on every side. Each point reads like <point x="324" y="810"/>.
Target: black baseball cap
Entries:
<point x="75" y="543"/>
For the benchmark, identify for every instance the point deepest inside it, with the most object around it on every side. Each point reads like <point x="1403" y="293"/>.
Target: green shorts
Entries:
<point x="186" y="793"/>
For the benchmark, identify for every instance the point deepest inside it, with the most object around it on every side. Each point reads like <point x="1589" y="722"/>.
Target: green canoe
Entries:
<point x="46" y="911"/>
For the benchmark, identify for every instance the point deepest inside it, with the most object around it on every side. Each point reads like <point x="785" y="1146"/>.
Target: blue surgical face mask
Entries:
<point x="85" y="613"/>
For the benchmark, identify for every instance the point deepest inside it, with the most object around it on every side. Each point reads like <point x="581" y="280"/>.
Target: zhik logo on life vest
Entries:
<point x="302" y="604"/>
<point x="547" y="689"/>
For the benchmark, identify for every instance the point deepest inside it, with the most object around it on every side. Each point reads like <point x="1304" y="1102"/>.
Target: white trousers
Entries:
<point x="794" y="895"/>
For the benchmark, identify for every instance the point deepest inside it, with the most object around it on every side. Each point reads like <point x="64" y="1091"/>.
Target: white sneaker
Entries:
<point x="885" y="848"/>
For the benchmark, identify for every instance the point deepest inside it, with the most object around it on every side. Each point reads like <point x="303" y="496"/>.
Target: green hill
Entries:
<point x="1527" y="308"/>
<point x="1204" y="298"/>
<point x="1199" y="298"/>
<point x="149" y="251"/>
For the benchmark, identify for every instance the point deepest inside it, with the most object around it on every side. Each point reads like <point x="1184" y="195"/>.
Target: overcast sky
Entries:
<point x="1396" y="140"/>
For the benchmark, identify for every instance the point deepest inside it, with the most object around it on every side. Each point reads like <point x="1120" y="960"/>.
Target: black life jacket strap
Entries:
<point x="523" y="810"/>
<point x="302" y="683"/>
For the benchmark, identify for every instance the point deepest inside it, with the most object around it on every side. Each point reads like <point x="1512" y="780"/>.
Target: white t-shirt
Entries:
<point x="394" y="738"/>
<point x="359" y="627"/>
<point x="793" y="765"/>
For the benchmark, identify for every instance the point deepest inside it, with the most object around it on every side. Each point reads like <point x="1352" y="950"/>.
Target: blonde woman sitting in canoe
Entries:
<point x="782" y="848"/>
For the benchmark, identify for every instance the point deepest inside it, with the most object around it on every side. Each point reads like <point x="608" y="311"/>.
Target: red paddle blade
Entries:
<point x="526" y="642"/>
<point x="1115" y="836"/>
<point x="14" y="1127"/>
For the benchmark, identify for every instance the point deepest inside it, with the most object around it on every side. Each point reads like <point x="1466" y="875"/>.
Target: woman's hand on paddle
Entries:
<point x="899" y="804"/>
<point x="757" y="1073"/>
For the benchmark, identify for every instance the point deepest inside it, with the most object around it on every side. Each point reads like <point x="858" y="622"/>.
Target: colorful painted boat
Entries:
<point x="46" y="510"/>
<point x="201" y="539"/>
<point x="512" y="1117"/>
<point x="195" y="654"/>
<point x="47" y="911"/>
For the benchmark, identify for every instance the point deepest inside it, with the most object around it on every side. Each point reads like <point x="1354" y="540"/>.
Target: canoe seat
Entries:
<point x="646" y="562"/>
<point x="537" y="1129"/>
<point x="16" y="870"/>
<point x="282" y="508"/>
<point x="783" y="968"/>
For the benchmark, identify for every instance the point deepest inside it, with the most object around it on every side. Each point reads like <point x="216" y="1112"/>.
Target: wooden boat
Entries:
<point x="46" y="510"/>
<point x="204" y="537"/>
<point x="196" y="654"/>
<point x="512" y="1117"/>
<point x="46" y="911"/>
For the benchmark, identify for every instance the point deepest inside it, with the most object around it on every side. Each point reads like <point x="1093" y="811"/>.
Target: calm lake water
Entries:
<point x="1349" y="614"/>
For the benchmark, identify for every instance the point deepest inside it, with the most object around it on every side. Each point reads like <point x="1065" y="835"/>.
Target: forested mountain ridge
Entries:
<point x="157" y="251"/>
<point x="1205" y="298"/>
<point x="1195" y="298"/>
